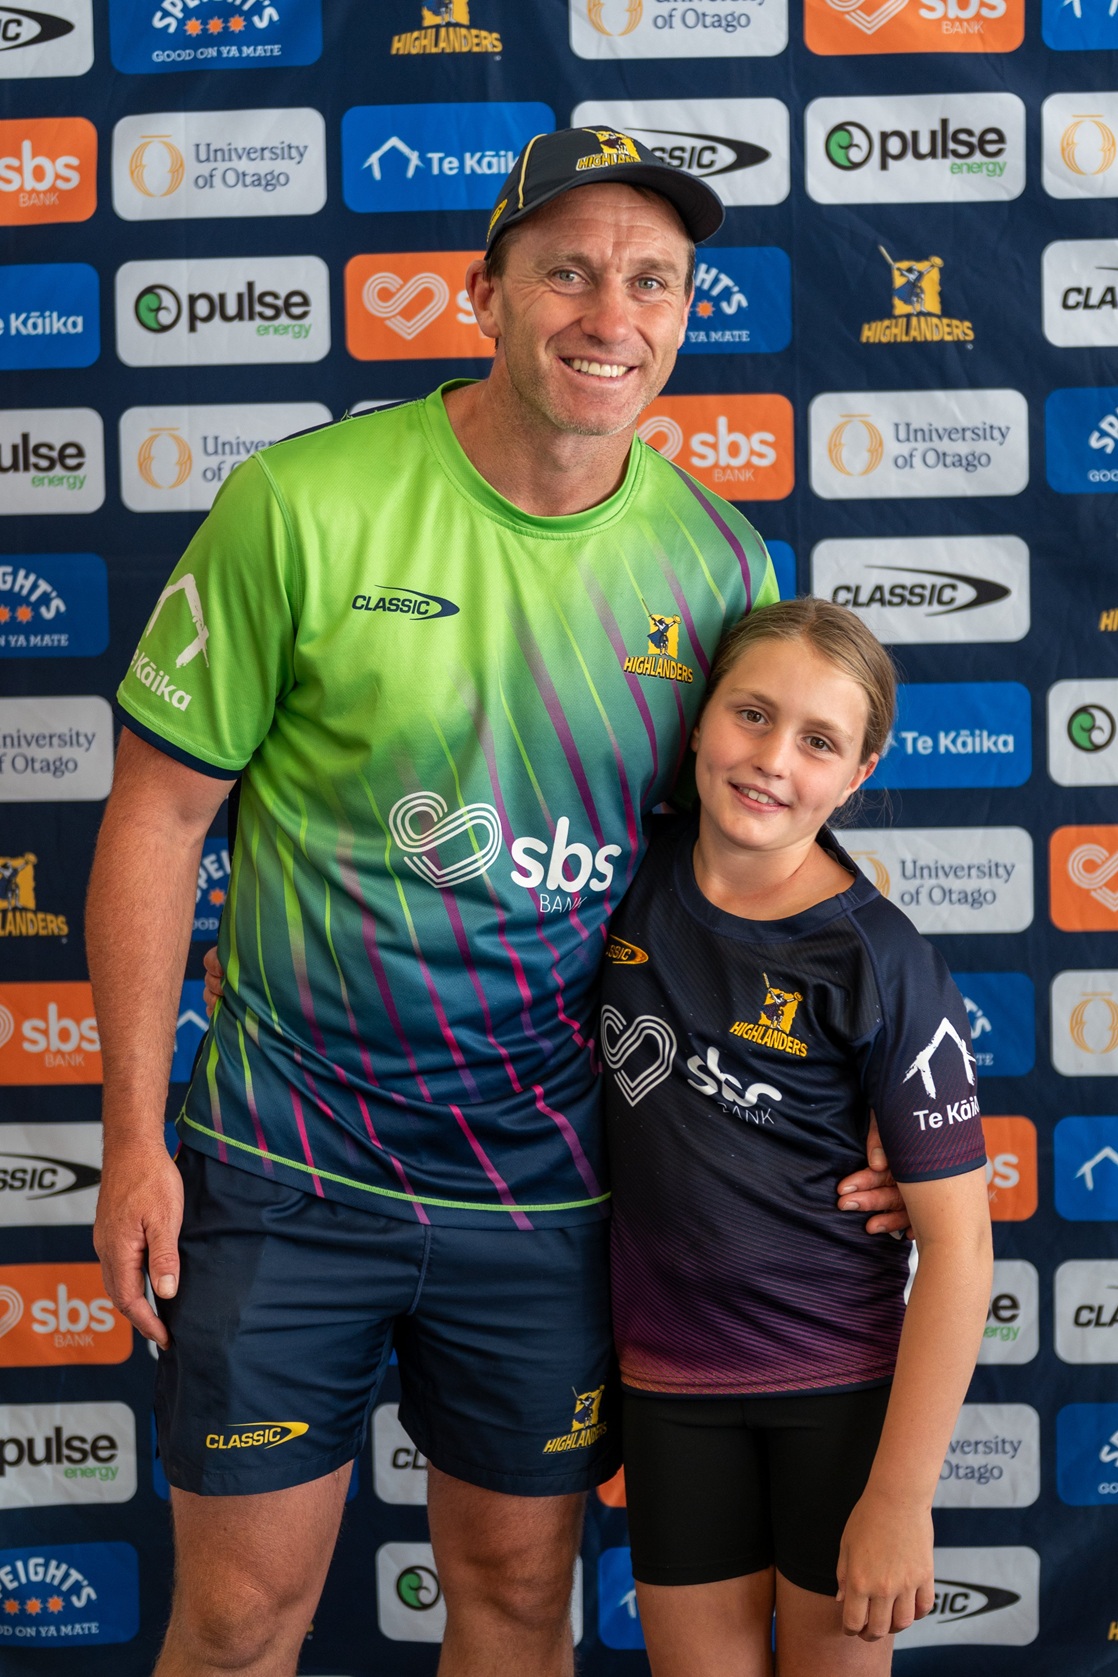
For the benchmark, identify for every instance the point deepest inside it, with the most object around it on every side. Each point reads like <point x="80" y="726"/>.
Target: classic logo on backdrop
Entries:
<point x="1012" y="1332"/>
<point x="52" y="460"/>
<point x="1083" y="732"/>
<point x="53" y="605"/>
<point x="1079" y="281"/>
<point x="213" y="888"/>
<point x="740" y="145"/>
<point x="55" y="38"/>
<point x="951" y="879"/>
<point x="989" y="1596"/>
<point x="399" y="1468"/>
<point x="993" y="1460"/>
<point x="222" y="310"/>
<point x="65" y="1595"/>
<point x="612" y="29"/>
<point x="434" y="157"/>
<point x="172" y="164"/>
<point x="1085" y="1158"/>
<point x="411" y="306"/>
<point x="149" y="36"/>
<point x="915" y="149"/>
<point x="929" y="589"/>
<point x="1084" y="1022"/>
<point x="48" y="170"/>
<point x="1001" y="1009"/>
<point x="959" y="733"/>
<point x="1080" y="145"/>
<point x="55" y="750"/>
<point x="1087" y="1454"/>
<point x="48" y="1034"/>
<point x="176" y="459"/>
<point x="58" y="1313"/>
<point x="1086" y="1309"/>
<point x="917" y="316"/>
<point x="740" y="446"/>
<point x="863" y="26"/>
<point x="49" y="315"/>
<point x="882" y="444"/>
<point x="53" y="1453"/>
<point x="1079" y="25"/>
<point x="447" y="26"/>
<point x="22" y="913"/>
<point x="1080" y="433"/>
<point x="49" y="1173"/>
<point x="1082" y="876"/>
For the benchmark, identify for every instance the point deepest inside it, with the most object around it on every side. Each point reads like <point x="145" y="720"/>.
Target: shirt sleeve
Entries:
<point x="217" y="651"/>
<point x="919" y="1074"/>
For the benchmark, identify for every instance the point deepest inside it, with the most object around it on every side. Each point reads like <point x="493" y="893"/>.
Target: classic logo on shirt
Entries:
<point x="624" y="954"/>
<point x="586" y="1428"/>
<point x="405" y="602"/>
<point x="773" y="1028"/>
<point x="661" y="655"/>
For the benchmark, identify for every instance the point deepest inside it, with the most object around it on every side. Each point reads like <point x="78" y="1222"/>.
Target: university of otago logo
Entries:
<point x="446" y="27"/>
<point x="164" y="459"/>
<point x="20" y="915"/>
<point x="773" y="1026"/>
<point x="156" y="167"/>
<point x="660" y="657"/>
<point x="586" y="1426"/>
<point x="871" y="863"/>
<point x="918" y="316"/>
<point x="1093" y="1025"/>
<point x="627" y="19"/>
<point x="1088" y="145"/>
<point x="613" y="148"/>
<point x="855" y="447"/>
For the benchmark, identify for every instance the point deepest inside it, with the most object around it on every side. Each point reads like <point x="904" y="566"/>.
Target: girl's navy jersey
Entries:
<point x="743" y="1059"/>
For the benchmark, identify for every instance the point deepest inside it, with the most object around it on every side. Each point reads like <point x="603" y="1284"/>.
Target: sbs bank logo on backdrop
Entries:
<point x="917" y="149"/>
<point x="1080" y="145"/>
<point x="886" y="444"/>
<point x="222" y="310"/>
<point x="740" y="446"/>
<point x="741" y="145"/>
<point x="874" y="26"/>
<point x="929" y="589"/>
<point x="48" y="170"/>
<point x="412" y="305"/>
<point x="173" y="164"/>
<point x="613" y="29"/>
<point x="176" y="459"/>
<point x="951" y="879"/>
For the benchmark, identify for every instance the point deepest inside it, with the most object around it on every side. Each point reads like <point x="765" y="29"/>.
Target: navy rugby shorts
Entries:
<point x="287" y="1312"/>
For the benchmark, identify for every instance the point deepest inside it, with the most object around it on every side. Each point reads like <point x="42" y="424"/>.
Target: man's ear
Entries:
<point x="483" y="291"/>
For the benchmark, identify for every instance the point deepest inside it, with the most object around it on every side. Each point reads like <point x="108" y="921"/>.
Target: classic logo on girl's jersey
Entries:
<point x="624" y="954"/>
<point x="773" y="1028"/>
<point x="661" y="657"/>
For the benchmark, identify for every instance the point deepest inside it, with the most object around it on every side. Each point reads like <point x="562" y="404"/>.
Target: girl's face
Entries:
<point x="779" y="746"/>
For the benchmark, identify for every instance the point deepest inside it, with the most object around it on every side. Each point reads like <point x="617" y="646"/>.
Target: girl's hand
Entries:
<point x="215" y="981"/>
<point x="885" y="1572"/>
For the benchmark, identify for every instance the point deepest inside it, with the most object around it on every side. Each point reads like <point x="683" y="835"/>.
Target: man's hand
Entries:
<point x="139" y="1214"/>
<point x="874" y="1190"/>
<point x="215" y="981"/>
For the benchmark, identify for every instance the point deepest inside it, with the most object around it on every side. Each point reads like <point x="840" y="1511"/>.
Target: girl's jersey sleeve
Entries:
<point x="217" y="651"/>
<point x="919" y="1069"/>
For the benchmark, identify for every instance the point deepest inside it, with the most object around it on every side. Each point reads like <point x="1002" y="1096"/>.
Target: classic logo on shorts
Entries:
<point x="661" y="655"/>
<point x="586" y="1429"/>
<point x="918" y="316"/>
<point x="613" y="148"/>
<point x="773" y="1028"/>
<point x="243" y="1435"/>
<point x="624" y="954"/>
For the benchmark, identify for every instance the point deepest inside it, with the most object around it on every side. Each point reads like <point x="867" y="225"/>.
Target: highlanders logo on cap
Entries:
<point x="614" y="148"/>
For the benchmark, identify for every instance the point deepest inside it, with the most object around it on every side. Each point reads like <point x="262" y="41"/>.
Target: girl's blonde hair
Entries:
<point x="839" y="636"/>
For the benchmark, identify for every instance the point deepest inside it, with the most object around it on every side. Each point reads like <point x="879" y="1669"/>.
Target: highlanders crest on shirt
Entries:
<point x="918" y="316"/>
<point x="660" y="656"/>
<point x="773" y="1029"/>
<point x="586" y="1428"/>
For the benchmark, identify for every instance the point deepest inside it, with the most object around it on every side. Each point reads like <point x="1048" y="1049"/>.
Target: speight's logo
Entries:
<point x="445" y="27"/>
<point x="19" y="916"/>
<point x="773" y="1028"/>
<point x="918" y="316"/>
<point x="614" y="148"/>
<point x="586" y="1428"/>
<point x="244" y="1435"/>
<point x="661" y="656"/>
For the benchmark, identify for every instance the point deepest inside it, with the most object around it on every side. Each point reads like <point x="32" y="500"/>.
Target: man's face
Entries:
<point x="591" y="307"/>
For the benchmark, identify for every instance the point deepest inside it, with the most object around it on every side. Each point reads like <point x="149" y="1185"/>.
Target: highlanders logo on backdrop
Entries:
<point x="586" y="1429"/>
<point x="445" y="27"/>
<point x="918" y="316"/>
<point x="773" y="1027"/>
<point x="18" y="914"/>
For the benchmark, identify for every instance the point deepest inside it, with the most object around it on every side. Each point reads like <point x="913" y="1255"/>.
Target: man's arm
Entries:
<point x="138" y="923"/>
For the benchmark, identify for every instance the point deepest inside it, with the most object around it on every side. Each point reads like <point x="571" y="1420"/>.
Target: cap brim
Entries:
<point x="700" y="209"/>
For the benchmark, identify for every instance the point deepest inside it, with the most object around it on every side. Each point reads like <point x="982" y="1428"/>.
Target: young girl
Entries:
<point x="786" y="1419"/>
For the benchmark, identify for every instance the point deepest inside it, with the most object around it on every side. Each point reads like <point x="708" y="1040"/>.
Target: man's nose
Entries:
<point x="606" y="315"/>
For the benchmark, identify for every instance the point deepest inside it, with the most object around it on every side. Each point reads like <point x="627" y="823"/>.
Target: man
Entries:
<point x="455" y="649"/>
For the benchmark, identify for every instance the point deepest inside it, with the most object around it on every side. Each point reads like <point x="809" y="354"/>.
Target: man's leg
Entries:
<point x="505" y="1564"/>
<point x="248" y="1574"/>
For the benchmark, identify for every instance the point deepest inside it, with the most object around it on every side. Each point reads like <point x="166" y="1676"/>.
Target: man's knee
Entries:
<point x="234" y="1626"/>
<point x="523" y="1578"/>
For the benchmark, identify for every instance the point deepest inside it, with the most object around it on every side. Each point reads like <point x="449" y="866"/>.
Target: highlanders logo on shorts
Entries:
<point x="773" y="1028"/>
<point x="660" y="656"/>
<point x="586" y="1428"/>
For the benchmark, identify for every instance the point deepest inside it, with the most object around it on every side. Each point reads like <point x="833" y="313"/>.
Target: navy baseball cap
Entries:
<point x="552" y="164"/>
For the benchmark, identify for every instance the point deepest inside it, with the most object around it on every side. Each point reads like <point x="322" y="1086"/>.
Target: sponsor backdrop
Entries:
<point x="228" y="220"/>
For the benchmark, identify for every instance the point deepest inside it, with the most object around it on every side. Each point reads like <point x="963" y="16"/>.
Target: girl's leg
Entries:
<point x="810" y="1639"/>
<point x="710" y="1630"/>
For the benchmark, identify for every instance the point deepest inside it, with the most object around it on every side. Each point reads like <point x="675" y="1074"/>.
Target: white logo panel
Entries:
<point x="612" y="29"/>
<point x="929" y="590"/>
<point x="410" y="1604"/>
<point x="1083" y="732"/>
<point x="172" y="164"/>
<point x="993" y="1460"/>
<point x="49" y="1173"/>
<point x="176" y="459"/>
<point x="951" y="879"/>
<point x="52" y="460"/>
<point x="55" y="38"/>
<point x="1012" y="1332"/>
<point x="915" y="149"/>
<point x="1086" y="1298"/>
<point x="399" y="1467"/>
<point x="885" y="444"/>
<point x="1079" y="281"/>
<point x="724" y="141"/>
<point x="222" y="310"/>
<point x="982" y="1596"/>
<point x="1084" y="1017"/>
<point x="55" y="750"/>
<point x="52" y="1453"/>
<point x="1080" y="145"/>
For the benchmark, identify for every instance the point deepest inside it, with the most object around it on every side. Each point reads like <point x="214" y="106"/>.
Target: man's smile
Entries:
<point x="596" y="369"/>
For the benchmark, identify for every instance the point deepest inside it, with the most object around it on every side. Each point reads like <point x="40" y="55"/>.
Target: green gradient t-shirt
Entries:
<point x="452" y="719"/>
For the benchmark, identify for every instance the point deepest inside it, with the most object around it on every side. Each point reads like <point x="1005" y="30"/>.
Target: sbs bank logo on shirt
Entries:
<point x="1086" y="1301"/>
<point x="64" y="1595"/>
<point x="909" y="444"/>
<point x="53" y="460"/>
<point x="48" y="170"/>
<point x="981" y="1596"/>
<point x="864" y="26"/>
<point x="929" y="589"/>
<point x="149" y="36"/>
<point x="612" y="29"/>
<point x="1084" y="1019"/>
<point x="54" y="39"/>
<point x="222" y="310"/>
<point x="1083" y="732"/>
<point x="740" y="446"/>
<point x="1080" y="145"/>
<point x="58" y="1313"/>
<point x="1012" y="1333"/>
<point x="412" y="306"/>
<point x="993" y="1460"/>
<point x="53" y="605"/>
<point x="915" y="149"/>
<point x="49" y="1173"/>
<point x="1079" y="279"/>
<point x="53" y="1453"/>
<point x="1080" y="432"/>
<point x="55" y="750"/>
<point x="951" y="879"/>
<point x="173" y="164"/>
<point x="741" y="145"/>
<point x="434" y="157"/>
<point x="49" y="314"/>
<point x="1087" y="1454"/>
<point x="176" y="459"/>
<point x="959" y="733"/>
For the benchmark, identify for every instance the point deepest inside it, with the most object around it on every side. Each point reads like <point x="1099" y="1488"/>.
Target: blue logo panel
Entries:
<point x="149" y="36"/>
<point x="1081" y="441"/>
<point x="213" y="888"/>
<point x="50" y="315"/>
<point x="1080" y="25"/>
<point x="959" y="733"/>
<point x="743" y="302"/>
<point x="1087" y="1454"/>
<point x="53" y="605"/>
<point x="434" y="157"/>
<point x="1085" y="1155"/>
<point x="619" y="1625"/>
<point x="68" y="1595"/>
<point x="1001" y="1009"/>
<point x="784" y="565"/>
<point x="191" y="1028"/>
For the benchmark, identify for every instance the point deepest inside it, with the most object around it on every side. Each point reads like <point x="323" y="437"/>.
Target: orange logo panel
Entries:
<point x="1010" y="1168"/>
<point x="411" y="306"/>
<point x="48" y="1034"/>
<point x="59" y="1313"/>
<point x="48" y="170"/>
<point x="739" y="446"/>
<point x="861" y="26"/>
<point x="1083" y="878"/>
<point x="612" y="1493"/>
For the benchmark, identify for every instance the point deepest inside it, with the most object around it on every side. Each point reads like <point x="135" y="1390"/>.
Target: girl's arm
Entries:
<point x="885" y="1570"/>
